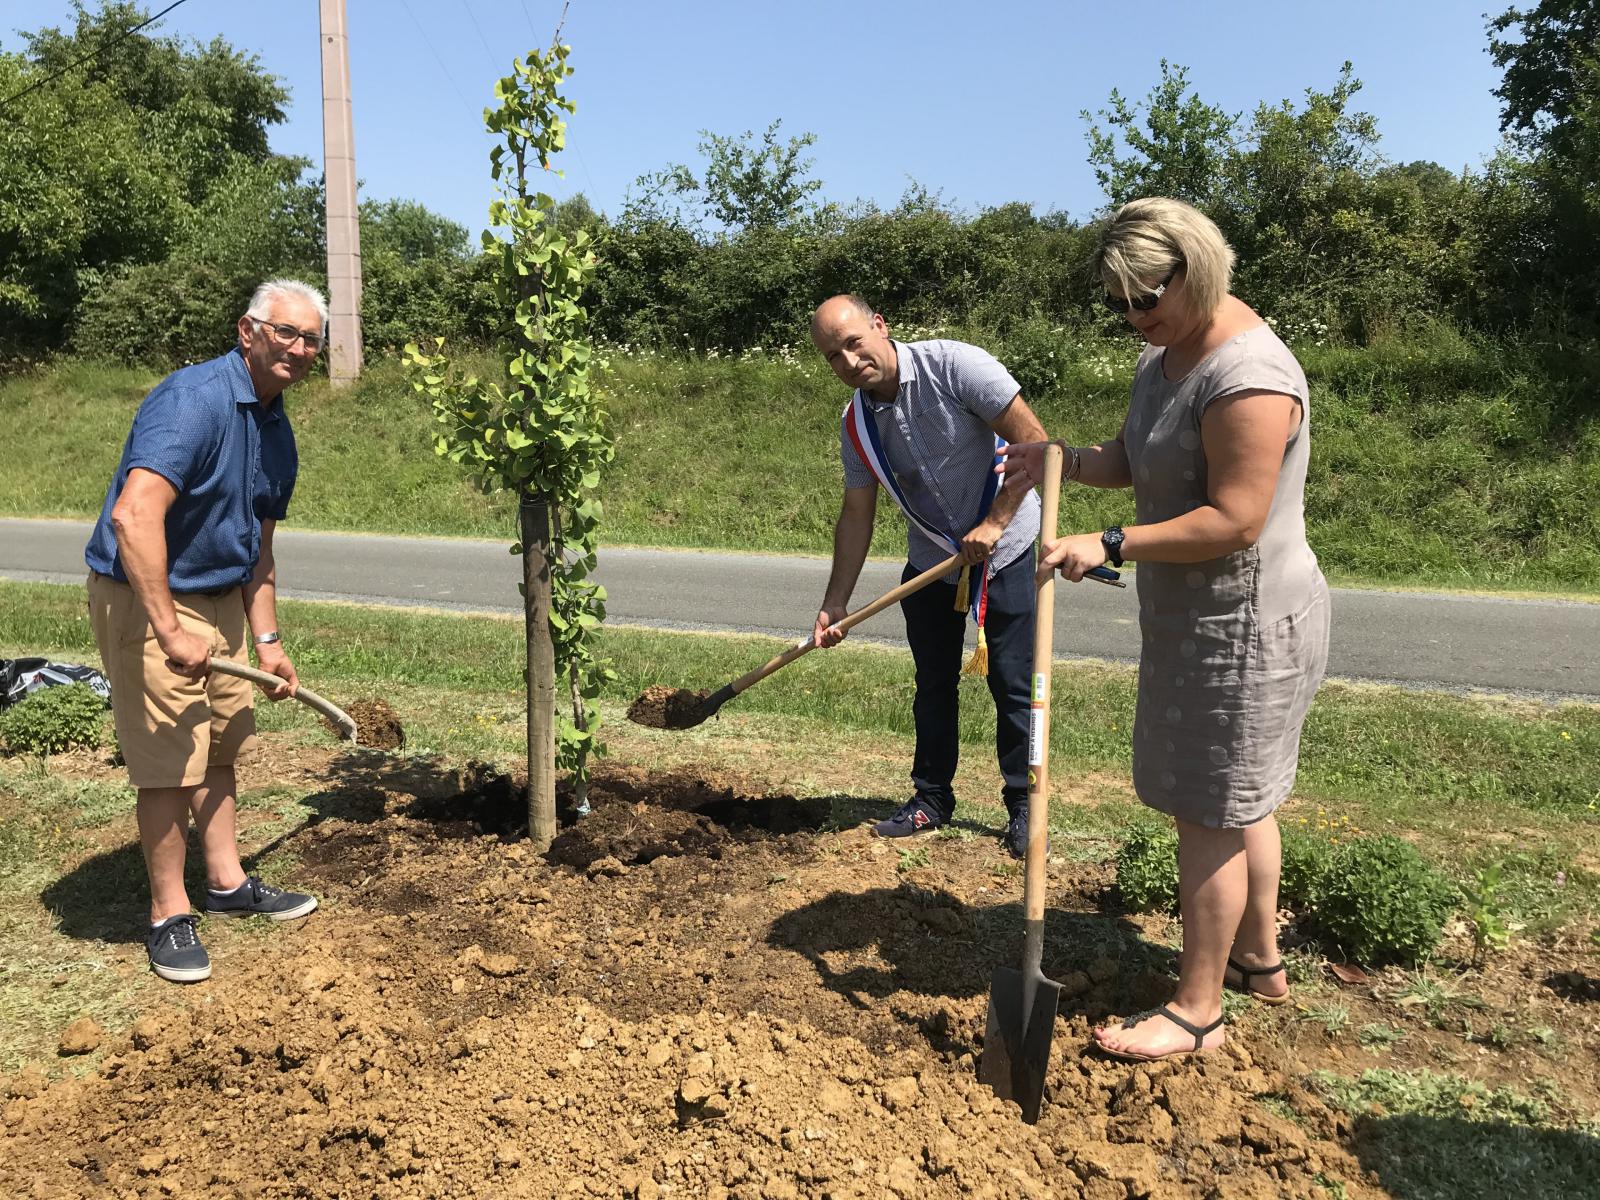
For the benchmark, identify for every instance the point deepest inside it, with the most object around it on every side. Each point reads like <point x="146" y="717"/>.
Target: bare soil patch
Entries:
<point x="703" y="991"/>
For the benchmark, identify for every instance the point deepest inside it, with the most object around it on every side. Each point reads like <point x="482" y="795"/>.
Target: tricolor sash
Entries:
<point x="862" y="431"/>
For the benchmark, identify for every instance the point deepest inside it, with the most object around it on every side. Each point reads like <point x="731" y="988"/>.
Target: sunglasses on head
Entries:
<point x="1144" y="303"/>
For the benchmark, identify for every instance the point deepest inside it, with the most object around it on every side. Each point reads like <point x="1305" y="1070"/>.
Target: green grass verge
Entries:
<point x="1439" y="461"/>
<point x="1472" y="778"/>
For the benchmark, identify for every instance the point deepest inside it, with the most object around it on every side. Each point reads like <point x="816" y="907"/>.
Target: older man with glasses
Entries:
<point x="180" y="565"/>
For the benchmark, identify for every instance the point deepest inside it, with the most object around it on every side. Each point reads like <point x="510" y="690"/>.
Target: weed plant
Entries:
<point x="53" y="719"/>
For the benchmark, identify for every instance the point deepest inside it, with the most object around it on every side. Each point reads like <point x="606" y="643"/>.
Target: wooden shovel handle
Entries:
<point x="893" y="596"/>
<point x="1044" y="626"/>
<point x="305" y="695"/>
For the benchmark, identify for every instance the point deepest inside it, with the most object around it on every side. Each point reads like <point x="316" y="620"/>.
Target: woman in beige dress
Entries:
<point x="1232" y="605"/>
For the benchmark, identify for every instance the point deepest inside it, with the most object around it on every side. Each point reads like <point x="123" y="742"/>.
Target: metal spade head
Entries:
<point x="1016" y="1041"/>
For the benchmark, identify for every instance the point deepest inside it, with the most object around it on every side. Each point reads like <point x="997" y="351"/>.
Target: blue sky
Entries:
<point x="977" y="101"/>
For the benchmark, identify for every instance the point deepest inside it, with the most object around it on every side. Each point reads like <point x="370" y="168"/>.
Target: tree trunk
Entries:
<point x="534" y="520"/>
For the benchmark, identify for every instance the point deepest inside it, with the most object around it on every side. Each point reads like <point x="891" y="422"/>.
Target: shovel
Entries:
<point x="1022" y="1003"/>
<point x="347" y="727"/>
<point x="728" y="691"/>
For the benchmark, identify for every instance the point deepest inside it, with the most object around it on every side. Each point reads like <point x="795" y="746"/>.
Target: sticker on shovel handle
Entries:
<point x="1036" y="719"/>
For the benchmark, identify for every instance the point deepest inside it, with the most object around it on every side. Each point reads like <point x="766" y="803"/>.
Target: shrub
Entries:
<point x="53" y="719"/>
<point x="1306" y="862"/>
<point x="1147" y="869"/>
<point x="1381" y="901"/>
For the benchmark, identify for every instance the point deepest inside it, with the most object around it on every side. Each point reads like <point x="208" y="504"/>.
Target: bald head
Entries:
<point x="855" y="341"/>
<point x="839" y="306"/>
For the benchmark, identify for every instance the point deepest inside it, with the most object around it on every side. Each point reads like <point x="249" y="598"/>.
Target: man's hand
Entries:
<point x="979" y="544"/>
<point x="826" y="632"/>
<point x="1074" y="555"/>
<point x="188" y="654"/>
<point x="274" y="661"/>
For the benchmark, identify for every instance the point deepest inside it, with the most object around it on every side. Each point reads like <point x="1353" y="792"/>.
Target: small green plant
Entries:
<point x="1481" y="898"/>
<point x="910" y="860"/>
<point x="1306" y="859"/>
<point x="52" y="720"/>
<point x="1383" y="902"/>
<point x="1424" y="1093"/>
<point x="1334" y="1018"/>
<point x="1147" y="869"/>
<point x="1378" y="1036"/>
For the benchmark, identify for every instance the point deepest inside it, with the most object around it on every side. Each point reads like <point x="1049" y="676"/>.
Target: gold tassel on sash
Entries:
<point x="978" y="664"/>
<point x="963" y="590"/>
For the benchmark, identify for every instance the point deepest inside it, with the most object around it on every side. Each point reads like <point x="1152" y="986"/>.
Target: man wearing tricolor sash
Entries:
<point x="924" y="423"/>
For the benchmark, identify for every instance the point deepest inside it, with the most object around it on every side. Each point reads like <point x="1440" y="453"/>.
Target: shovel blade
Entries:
<point x="1016" y="1041"/>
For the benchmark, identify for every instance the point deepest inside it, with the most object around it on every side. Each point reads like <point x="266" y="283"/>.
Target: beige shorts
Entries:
<point x="172" y="728"/>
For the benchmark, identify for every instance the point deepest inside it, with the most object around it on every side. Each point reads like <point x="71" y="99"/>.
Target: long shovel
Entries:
<point x="1022" y="1003"/>
<point x="347" y="727"/>
<point x="728" y="691"/>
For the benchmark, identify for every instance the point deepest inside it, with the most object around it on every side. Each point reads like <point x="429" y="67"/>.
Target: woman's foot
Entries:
<point x="1167" y="1032"/>
<point x="1258" y="977"/>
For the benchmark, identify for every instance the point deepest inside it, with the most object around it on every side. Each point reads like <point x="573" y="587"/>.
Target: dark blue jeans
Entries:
<point x="936" y="631"/>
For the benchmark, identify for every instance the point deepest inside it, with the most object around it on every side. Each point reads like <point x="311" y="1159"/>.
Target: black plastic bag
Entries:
<point x="21" y="677"/>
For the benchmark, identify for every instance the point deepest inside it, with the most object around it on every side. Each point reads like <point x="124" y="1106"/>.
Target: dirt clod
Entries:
<point x="668" y="708"/>
<point x="377" y="725"/>
<point x="81" y="1037"/>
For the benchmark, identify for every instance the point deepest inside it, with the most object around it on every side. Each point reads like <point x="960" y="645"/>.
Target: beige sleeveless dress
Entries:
<point x="1234" y="648"/>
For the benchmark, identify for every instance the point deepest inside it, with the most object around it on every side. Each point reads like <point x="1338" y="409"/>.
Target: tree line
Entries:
<point x="139" y="202"/>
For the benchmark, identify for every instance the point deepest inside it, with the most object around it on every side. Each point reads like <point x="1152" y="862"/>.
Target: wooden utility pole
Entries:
<point x="339" y="180"/>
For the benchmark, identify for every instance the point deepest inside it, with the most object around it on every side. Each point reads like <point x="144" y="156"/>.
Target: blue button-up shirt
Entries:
<point x="233" y="465"/>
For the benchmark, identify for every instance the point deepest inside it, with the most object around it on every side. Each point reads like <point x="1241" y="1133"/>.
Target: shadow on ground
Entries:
<point x="935" y="945"/>
<point x="1441" y="1158"/>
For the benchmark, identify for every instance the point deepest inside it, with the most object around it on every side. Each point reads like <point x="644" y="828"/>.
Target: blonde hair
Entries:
<point x="1146" y="240"/>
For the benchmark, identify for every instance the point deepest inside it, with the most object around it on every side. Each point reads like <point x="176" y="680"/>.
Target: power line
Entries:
<point x="98" y="50"/>
<point x="460" y="95"/>
<point x="493" y="61"/>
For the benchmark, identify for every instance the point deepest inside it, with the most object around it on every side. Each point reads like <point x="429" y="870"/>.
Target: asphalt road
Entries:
<point x="1545" y="648"/>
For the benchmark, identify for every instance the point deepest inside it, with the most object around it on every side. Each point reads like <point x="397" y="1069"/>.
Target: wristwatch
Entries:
<point x="266" y="639"/>
<point x="1111" y="539"/>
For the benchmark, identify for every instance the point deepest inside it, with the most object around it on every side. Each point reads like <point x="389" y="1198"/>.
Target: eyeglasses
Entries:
<point x="288" y="335"/>
<point x="1144" y="303"/>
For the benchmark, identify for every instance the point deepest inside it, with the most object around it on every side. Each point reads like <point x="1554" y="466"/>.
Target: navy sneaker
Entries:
<point x="252" y="898"/>
<point x="175" y="950"/>
<point x="916" y="815"/>
<point x="1016" y="834"/>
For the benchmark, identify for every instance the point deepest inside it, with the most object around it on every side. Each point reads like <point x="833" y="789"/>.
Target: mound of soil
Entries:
<point x="668" y="708"/>
<point x="377" y="725"/>
<point x="698" y="994"/>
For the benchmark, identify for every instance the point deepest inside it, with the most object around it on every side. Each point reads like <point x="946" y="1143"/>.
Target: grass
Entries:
<point x="1464" y="776"/>
<point x="1439" y="461"/>
<point x="1443" y="1137"/>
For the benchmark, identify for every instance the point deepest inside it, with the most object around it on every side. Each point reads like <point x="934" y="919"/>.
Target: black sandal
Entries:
<point x="1198" y="1033"/>
<point x="1247" y="973"/>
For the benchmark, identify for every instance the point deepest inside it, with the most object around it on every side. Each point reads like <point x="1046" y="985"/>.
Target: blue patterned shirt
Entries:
<point x="232" y="464"/>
